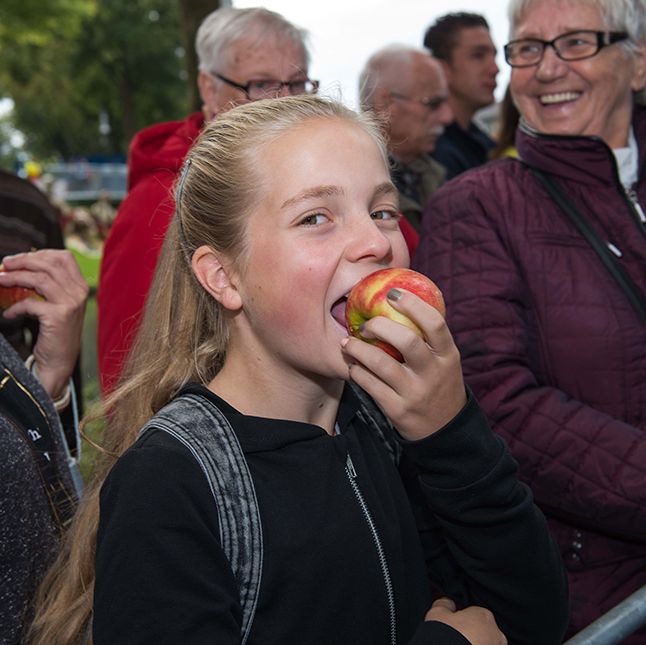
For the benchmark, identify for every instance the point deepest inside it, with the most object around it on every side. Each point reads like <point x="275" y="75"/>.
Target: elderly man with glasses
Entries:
<point x="244" y="55"/>
<point x="543" y="268"/>
<point x="406" y="90"/>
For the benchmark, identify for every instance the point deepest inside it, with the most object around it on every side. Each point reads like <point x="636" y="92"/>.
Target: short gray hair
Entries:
<point x="618" y="15"/>
<point x="222" y="28"/>
<point x="374" y="72"/>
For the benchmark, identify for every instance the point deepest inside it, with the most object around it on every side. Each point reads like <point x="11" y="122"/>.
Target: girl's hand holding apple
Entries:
<point x="425" y="391"/>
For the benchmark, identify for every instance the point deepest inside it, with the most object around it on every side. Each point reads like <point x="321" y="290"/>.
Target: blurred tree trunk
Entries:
<point x="192" y="12"/>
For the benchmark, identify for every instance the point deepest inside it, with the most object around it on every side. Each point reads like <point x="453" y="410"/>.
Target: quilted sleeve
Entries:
<point x="583" y="466"/>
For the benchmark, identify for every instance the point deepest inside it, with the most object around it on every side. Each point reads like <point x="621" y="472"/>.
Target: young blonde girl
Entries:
<point x="283" y="205"/>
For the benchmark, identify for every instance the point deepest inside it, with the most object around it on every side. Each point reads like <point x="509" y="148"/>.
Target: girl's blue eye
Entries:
<point x="384" y="215"/>
<point x="314" y="219"/>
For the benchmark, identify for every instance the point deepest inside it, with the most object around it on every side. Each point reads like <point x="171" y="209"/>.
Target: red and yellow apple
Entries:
<point x="11" y="295"/>
<point x="368" y="298"/>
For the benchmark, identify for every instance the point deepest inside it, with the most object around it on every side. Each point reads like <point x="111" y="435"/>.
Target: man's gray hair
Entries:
<point x="374" y="74"/>
<point x="222" y="28"/>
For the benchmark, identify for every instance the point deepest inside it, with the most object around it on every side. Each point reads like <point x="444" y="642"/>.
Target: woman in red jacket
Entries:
<point x="552" y="345"/>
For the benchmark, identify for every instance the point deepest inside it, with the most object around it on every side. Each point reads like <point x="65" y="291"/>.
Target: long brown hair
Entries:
<point x="183" y="336"/>
<point x="508" y="118"/>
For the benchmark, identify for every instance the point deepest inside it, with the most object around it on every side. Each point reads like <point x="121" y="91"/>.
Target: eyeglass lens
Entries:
<point x="571" y="46"/>
<point x="260" y="89"/>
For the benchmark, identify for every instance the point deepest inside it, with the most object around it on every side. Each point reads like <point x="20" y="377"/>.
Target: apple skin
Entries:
<point x="368" y="298"/>
<point x="11" y="295"/>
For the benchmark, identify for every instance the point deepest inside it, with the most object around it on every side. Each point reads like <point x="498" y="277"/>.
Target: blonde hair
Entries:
<point x="183" y="336"/>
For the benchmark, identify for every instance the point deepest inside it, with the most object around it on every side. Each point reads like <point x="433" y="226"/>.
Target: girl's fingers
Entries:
<point x="429" y="320"/>
<point x="424" y="392"/>
<point x="445" y="603"/>
<point x="375" y="361"/>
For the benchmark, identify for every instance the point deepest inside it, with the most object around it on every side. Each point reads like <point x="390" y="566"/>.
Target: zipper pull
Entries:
<point x="614" y="249"/>
<point x="350" y="467"/>
<point x="632" y="195"/>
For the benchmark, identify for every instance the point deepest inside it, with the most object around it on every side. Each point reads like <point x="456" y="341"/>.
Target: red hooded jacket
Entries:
<point x="133" y="246"/>
<point x="134" y="243"/>
<point x="552" y="347"/>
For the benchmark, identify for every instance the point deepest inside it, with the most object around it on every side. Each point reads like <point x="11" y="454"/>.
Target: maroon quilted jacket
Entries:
<point x="552" y="348"/>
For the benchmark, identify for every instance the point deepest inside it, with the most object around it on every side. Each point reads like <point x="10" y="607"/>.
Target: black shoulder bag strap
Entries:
<point x="635" y="297"/>
<point x="200" y="426"/>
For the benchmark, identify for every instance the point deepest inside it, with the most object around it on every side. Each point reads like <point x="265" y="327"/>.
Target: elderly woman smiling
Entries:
<point x="542" y="262"/>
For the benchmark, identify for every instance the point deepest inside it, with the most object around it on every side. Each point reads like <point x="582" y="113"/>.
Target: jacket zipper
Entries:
<point x="352" y="477"/>
<point x="639" y="217"/>
<point x="636" y="206"/>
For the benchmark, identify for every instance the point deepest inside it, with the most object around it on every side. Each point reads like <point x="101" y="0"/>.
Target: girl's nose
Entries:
<point x="369" y="241"/>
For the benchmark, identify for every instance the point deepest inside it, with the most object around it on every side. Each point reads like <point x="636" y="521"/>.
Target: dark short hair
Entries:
<point x="442" y="36"/>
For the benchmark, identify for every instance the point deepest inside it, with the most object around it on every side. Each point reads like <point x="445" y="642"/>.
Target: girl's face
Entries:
<point x="327" y="216"/>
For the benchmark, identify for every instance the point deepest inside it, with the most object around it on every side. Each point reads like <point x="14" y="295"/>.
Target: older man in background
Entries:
<point x="407" y="91"/>
<point x="244" y="55"/>
<point x="463" y="45"/>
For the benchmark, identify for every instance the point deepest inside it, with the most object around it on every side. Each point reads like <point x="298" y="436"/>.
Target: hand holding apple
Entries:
<point x="59" y="307"/>
<point x="422" y="394"/>
<point x="368" y="298"/>
<point x="11" y="295"/>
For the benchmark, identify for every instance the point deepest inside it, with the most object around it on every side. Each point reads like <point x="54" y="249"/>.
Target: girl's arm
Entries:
<point x="464" y="478"/>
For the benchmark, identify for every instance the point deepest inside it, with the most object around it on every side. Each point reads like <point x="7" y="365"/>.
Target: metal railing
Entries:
<point x="615" y="625"/>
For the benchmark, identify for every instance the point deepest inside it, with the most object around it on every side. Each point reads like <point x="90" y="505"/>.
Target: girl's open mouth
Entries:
<point x="338" y="311"/>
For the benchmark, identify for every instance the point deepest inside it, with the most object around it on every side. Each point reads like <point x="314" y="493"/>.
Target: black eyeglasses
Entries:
<point x="431" y="104"/>
<point x="574" y="45"/>
<point x="266" y="88"/>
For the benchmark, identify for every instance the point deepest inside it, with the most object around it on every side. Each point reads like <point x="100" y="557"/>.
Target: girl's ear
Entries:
<point x="216" y="278"/>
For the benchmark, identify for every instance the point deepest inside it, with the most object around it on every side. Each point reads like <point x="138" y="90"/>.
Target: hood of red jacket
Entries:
<point x="162" y="146"/>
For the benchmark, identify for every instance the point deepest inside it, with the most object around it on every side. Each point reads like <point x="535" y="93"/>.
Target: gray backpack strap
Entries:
<point x="200" y="426"/>
<point x="371" y="414"/>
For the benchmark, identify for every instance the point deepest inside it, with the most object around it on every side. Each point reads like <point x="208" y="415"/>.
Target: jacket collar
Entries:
<point x="587" y="160"/>
<point x="261" y="434"/>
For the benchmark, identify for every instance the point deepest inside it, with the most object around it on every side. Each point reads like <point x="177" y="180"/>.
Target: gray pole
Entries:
<point x="620" y="622"/>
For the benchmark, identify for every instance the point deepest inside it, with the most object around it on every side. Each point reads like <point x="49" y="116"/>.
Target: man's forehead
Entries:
<point x="267" y="54"/>
<point x="431" y="77"/>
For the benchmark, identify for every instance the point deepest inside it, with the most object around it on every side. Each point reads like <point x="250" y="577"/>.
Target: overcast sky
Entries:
<point x="344" y="33"/>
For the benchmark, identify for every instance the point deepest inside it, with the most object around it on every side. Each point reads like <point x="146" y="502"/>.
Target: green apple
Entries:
<point x="368" y="298"/>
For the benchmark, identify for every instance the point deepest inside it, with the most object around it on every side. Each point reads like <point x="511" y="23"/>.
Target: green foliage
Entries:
<point x="70" y="64"/>
<point x="92" y="435"/>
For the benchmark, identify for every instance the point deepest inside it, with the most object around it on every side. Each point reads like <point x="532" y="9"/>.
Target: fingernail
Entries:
<point x="345" y="341"/>
<point x="394" y="294"/>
